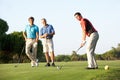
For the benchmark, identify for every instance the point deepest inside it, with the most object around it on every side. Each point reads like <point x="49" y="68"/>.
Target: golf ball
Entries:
<point x="106" y="67"/>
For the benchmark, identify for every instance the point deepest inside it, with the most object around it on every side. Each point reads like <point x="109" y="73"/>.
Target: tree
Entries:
<point x="74" y="56"/>
<point x="3" y="28"/>
<point x="83" y="57"/>
<point x="12" y="45"/>
<point x="18" y="42"/>
<point x="98" y="57"/>
<point x="62" y="58"/>
<point x="40" y="54"/>
<point x="118" y="51"/>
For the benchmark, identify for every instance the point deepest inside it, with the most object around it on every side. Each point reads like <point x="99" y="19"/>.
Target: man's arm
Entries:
<point x="37" y="36"/>
<point x="41" y="34"/>
<point x="46" y="34"/>
<point x="24" y="35"/>
<point x="51" y="34"/>
<point x="53" y="31"/>
<point x="83" y="33"/>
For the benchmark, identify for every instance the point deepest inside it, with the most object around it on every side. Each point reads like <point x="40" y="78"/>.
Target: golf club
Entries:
<point x="59" y="67"/>
<point x="78" y="49"/>
<point x="20" y="57"/>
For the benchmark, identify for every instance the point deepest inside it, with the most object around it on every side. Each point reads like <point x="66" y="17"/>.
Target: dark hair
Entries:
<point x="31" y="18"/>
<point x="78" y="13"/>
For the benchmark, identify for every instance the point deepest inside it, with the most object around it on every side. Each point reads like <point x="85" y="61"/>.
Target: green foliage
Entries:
<point x="74" y="56"/>
<point x="62" y="58"/>
<point x="5" y="57"/>
<point x="17" y="41"/>
<point x="3" y="27"/>
<point x="112" y="54"/>
<point x="99" y="57"/>
<point x="83" y="57"/>
<point x="13" y="44"/>
<point x="40" y="54"/>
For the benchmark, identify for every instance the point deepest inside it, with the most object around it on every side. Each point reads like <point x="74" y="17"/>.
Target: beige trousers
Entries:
<point x="31" y="49"/>
<point x="91" y="48"/>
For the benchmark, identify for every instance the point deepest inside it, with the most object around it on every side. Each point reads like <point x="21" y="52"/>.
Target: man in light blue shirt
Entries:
<point x="46" y="34"/>
<point x="47" y="30"/>
<point x="31" y="35"/>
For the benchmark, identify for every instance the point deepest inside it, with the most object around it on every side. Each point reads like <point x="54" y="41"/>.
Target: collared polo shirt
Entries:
<point x="47" y="29"/>
<point x="31" y="31"/>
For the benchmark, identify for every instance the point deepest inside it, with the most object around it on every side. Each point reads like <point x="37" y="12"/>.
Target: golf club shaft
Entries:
<point x="21" y="54"/>
<point x="78" y="49"/>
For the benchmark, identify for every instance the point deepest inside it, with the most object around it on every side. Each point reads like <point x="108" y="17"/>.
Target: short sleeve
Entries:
<point x="52" y="29"/>
<point x="37" y="29"/>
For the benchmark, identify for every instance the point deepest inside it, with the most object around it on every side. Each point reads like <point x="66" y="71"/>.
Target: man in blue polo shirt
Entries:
<point x="46" y="33"/>
<point x="31" y="35"/>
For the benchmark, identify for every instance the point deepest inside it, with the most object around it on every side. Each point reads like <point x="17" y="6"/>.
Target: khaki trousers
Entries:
<point x="91" y="48"/>
<point x="31" y="49"/>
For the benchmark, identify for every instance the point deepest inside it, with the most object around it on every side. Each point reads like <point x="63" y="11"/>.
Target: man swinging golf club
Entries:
<point x="31" y="35"/>
<point x="91" y="32"/>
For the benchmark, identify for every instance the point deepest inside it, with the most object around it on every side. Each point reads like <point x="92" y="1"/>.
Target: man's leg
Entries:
<point x="52" y="56"/>
<point x="51" y="49"/>
<point x="28" y="47"/>
<point x="34" y="49"/>
<point x="90" y="50"/>
<point x="96" y="39"/>
<point x="47" y="57"/>
<point x="45" y="50"/>
<point x="28" y="52"/>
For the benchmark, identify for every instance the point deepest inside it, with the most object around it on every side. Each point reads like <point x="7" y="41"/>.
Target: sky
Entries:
<point x="104" y="15"/>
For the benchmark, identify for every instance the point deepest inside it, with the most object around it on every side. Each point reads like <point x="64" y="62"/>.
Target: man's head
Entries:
<point x="43" y="21"/>
<point x="78" y="16"/>
<point x="31" y="20"/>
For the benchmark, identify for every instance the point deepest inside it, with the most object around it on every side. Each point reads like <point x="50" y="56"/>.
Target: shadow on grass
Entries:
<point x="110" y="75"/>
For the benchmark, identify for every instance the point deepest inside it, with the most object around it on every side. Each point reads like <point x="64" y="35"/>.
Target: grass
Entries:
<point x="69" y="71"/>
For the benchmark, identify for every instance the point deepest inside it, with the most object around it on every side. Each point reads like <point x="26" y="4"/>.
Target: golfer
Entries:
<point x="46" y="34"/>
<point x="91" y="32"/>
<point x="31" y="35"/>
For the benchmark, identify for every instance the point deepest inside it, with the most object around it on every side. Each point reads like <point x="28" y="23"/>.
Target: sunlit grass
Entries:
<point x="69" y="71"/>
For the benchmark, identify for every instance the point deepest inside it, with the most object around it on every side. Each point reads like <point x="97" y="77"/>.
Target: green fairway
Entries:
<point x="69" y="71"/>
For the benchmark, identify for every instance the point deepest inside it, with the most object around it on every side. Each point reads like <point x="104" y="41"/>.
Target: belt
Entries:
<point x="31" y="38"/>
<point x="46" y="38"/>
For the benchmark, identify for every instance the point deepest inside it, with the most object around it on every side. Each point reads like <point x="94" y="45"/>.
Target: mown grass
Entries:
<point x="69" y="71"/>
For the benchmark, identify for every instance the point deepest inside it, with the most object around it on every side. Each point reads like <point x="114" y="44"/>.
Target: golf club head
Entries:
<point x="59" y="67"/>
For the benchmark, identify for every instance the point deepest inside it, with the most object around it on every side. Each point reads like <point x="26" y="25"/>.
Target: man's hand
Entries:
<point x="25" y="39"/>
<point x="82" y="44"/>
<point x="45" y="35"/>
<point x="24" y="35"/>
